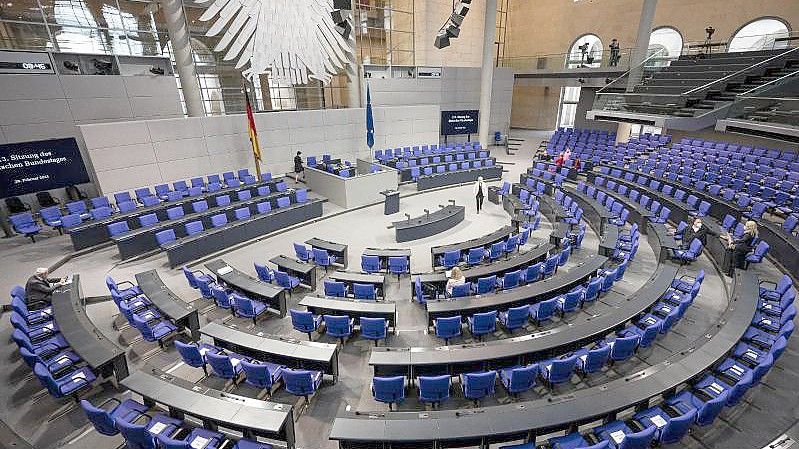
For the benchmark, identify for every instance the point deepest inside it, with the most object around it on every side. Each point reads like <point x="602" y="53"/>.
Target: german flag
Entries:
<point x="256" y="148"/>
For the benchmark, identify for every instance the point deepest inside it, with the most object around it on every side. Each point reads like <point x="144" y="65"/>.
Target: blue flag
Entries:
<point x="370" y="121"/>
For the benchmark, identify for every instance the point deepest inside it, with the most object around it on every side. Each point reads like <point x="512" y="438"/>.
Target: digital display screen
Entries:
<point x="30" y="167"/>
<point x="459" y="122"/>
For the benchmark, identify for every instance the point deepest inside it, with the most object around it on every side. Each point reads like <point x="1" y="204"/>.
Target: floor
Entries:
<point x="769" y="409"/>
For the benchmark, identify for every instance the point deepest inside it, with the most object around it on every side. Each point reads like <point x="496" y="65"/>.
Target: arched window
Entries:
<point x="586" y="51"/>
<point x="760" y="34"/>
<point x="667" y="41"/>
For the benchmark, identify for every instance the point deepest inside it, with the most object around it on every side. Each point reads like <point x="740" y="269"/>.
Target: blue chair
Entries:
<point x="496" y="251"/>
<point x="688" y="255"/>
<point x="51" y="216"/>
<point x="154" y="330"/>
<point x="515" y="317"/>
<point x="419" y="293"/>
<point x="483" y="323"/>
<point x="485" y="285"/>
<point x="242" y="213"/>
<point x="389" y="390"/>
<point x="447" y="327"/>
<point x="263" y="375"/>
<point x="248" y="308"/>
<point x="335" y="288"/>
<point x="551" y="265"/>
<point x="570" y="301"/>
<point x="512" y="244"/>
<point x="592" y="360"/>
<point x="475" y="256"/>
<point x="226" y="365"/>
<point x="300" y="382"/>
<point x="339" y="326"/>
<point x="510" y="280"/>
<point x="223" y="298"/>
<point x="23" y="223"/>
<point x="192" y="276"/>
<point x="533" y="272"/>
<point x="194" y="354"/>
<point x="461" y="290"/>
<point x="544" y="310"/>
<point x="570" y="441"/>
<point x="217" y="221"/>
<point x="302" y="252"/>
<point x="193" y="227"/>
<point x="105" y="416"/>
<point x="127" y="206"/>
<point x="434" y="389"/>
<point x="284" y="280"/>
<point x="322" y="258"/>
<point x="450" y="259"/>
<point x="67" y="385"/>
<point x="305" y="322"/>
<point x="370" y="264"/>
<point x="557" y="371"/>
<point x="674" y="429"/>
<point x="623" y="348"/>
<point x="757" y="255"/>
<point x="706" y="411"/>
<point x="398" y="265"/>
<point x="476" y="386"/>
<point x="173" y="213"/>
<point x="124" y="289"/>
<point x="519" y="379"/>
<point x="140" y="436"/>
<point x="264" y="273"/>
<point x="364" y="291"/>
<point x="374" y="328"/>
<point x="647" y="334"/>
<point x="629" y="439"/>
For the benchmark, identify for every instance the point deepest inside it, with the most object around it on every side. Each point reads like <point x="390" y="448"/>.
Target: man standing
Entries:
<point x="39" y="289"/>
<point x="479" y="192"/>
<point x="614" y="52"/>
<point x="299" y="170"/>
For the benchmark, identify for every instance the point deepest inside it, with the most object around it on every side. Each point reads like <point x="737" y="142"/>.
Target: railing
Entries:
<point x="614" y="96"/>
<point x="705" y="87"/>
<point x="772" y="43"/>
<point x="573" y="60"/>
<point x="774" y="101"/>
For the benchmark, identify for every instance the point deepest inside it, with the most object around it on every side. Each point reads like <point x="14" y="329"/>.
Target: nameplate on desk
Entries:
<point x="224" y="270"/>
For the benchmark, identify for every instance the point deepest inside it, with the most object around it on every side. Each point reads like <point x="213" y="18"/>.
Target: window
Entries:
<point x="586" y="51"/>
<point x="667" y="41"/>
<point x="761" y="34"/>
<point x="384" y="32"/>
<point x="569" y="97"/>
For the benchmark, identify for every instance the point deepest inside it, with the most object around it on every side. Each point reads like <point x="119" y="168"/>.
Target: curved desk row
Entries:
<point x="276" y="349"/>
<point x="438" y="280"/>
<point x="352" y="307"/>
<point x="406" y="172"/>
<point x="102" y="355"/>
<point x="598" y="218"/>
<point x="214" y="408"/>
<point x="383" y="254"/>
<point x="356" y="277"/>
<point x="254" y="288"/>
<point x="338" y="250"/>
<point x="524" y="349"/>
<point x="435" y="180"/>
<point x="525" y="294"/>
<point x="216" y="239"/>
<point x="524" y="420"/>
<point x="500" y="235"/>
<point x="142" y="240"/>
<point x="96" y="232"/>
<point x="429" y="224"/>
<point x="171" y="306"/>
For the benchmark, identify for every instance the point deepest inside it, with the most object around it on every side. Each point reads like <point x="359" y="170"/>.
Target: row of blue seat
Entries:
<point x="59" y="369"/>
<point x="143" y="429"/>
<point x="422" y="150"/>
<point x="339" y="326"/>
<point x="621" y="346"/>
<point x="428" y="170"/>
<point x="478" y="255"/>
<point x="140" y="312"/>
<point x="701" y="402"/>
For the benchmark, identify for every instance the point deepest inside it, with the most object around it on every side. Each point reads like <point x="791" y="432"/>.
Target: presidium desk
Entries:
<point x="430" y="224"/>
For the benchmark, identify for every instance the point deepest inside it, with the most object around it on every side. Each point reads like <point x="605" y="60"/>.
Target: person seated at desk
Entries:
<point x="697" y="231"/>
<point x="456" y="277"/>
<point x="39" y="289"/>
<point x="743" y="245"/>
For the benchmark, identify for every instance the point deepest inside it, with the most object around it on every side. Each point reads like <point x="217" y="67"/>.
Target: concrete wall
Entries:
<point x="37" y="107"/>
<point x="457" y="89"/>
<point x="126" y="155"/>
<point x="545" y="27"/>
<point x="587" y="95"/>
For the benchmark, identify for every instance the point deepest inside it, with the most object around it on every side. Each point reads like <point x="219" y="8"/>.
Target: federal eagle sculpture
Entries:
<point x="295" y="40"/>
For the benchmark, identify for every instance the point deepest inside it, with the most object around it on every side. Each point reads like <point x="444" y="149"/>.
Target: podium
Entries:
<point x="391" y="203"/>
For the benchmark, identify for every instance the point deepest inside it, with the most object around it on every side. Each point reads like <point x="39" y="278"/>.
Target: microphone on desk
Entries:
<point x="452" y="202"/>
<point x="427" y="212"/>
<point x="408" y="216"/>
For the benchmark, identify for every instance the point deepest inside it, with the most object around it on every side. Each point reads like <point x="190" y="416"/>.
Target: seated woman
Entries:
<point x="456" y="277"/>
<point x="743" y="245"/>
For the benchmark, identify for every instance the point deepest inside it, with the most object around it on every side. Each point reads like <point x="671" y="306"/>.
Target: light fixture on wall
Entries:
<point x="452" y="28"/>
<point x="155" y="70"/>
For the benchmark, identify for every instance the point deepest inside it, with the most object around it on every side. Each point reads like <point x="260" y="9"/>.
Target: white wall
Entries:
<point x="457" y="89"/>
<point x="131" y="154"/>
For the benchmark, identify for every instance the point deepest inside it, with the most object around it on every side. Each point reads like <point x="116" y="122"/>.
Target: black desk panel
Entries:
<point x="252" y="287"/>
<point x="214" y="407"/>
<point x="596" y="214"/>
<point x="177" y="310"/>
<point x="306" y="272"/>
<point x="430" y="224"/>
<point x="217" y="239"/>
<point x="334" y="249"/>
<point x="433" y="181"/>
<point x="276" y="349"/>
<point x="102" y="355"/>
<point x="519" y="420"/>
<point x="95" y="232"/>
<point x="526" y="294"/>
<point x="355" y="277"/>
<point x="384" y="253"/>
<point x="352" y="307"/>
<point x="500" y="235"/>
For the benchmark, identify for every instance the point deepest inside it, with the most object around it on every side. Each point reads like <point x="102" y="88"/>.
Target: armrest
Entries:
<point x="140" y="415"/>
<point x="107" y="401"/>
<point x="126" y="282"/>
<point x="195" y="272"/>
<point x="761" y="283"/>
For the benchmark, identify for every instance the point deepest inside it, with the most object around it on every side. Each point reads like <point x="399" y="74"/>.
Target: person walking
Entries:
<point x="479" y="191"/>
<point x="299" y="170"/>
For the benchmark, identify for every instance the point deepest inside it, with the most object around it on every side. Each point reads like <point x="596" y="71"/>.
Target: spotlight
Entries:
<point x="102" y="67"/>
<point x="462" y="9"/>
<point x="452" y="31"/>
<point x="342" y="4"/>
<point x="456" y="18"/>
<point x="156" y="70"/>
<point x="338" y="16"/>
<point x="344" y="29"/>
<point x="69" y="65"/>
<point x="442" y="40"/>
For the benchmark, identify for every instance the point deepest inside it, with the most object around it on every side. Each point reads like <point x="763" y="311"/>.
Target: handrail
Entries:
<point x="766" y="84"/>
<point x="739" y="72"/>
<point x="630" y="70"/>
